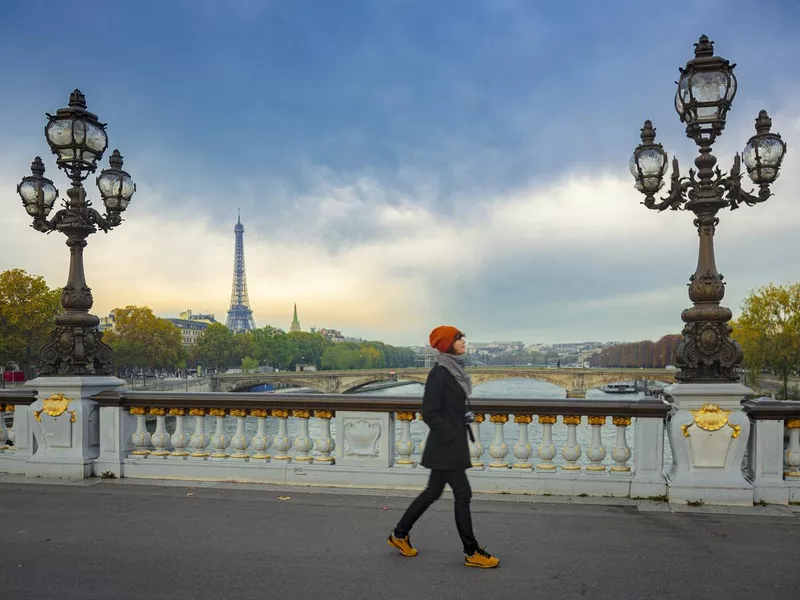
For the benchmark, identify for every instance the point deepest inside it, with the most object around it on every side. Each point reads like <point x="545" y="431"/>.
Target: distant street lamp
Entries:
<point x="78" y="140"/>
<point x="705" y="92"/>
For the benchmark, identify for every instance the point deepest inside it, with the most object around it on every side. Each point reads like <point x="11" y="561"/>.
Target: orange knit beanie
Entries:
<point x="442" y="337"/>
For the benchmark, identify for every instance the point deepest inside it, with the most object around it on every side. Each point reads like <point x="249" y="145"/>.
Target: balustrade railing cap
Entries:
<point x="646" y="407"/>
<point x="773" y="410"/>
<point x="17" y="396"/>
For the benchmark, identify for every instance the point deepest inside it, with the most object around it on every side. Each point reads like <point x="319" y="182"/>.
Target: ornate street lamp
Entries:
<point x="78" y="140"/>
<point x="705" y="92"/>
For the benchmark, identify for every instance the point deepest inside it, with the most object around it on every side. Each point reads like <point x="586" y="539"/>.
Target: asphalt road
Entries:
<point x="113" y="541"/>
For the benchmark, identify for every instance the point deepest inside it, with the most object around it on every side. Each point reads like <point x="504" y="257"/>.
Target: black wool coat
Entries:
<point x="443" y="408"/>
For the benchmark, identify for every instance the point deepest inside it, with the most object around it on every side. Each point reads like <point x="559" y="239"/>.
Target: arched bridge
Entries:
<point x="575" y="381"/>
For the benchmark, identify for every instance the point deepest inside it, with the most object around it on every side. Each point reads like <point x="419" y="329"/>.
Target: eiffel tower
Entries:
<point x="240" y="315"/>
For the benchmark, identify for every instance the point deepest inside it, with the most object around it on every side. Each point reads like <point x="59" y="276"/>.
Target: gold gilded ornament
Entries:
<point x="523" y="419"/>
<point x="258" y="412"/>
<point x="405" y="416"/>
<point x="710" y="417"/>
<point x="237" y="412"/>
<point x="547" y="420"/>
<point x="281" y="413"/>
<point x="158" y="412"/>
<point x="217" y="412"/>
<point x="571" y="419"/>
<point x="137" y="410"/>
<point x="328" y="414"/>
<point x="301" y="414"/>
<point x="597" y="420"/>
<point x="197" y="412"/>
<point x="177" y="412"/>
<point x="55" y="406"/>
<point x="499" y="418"/>
<point x="625" y="421"/>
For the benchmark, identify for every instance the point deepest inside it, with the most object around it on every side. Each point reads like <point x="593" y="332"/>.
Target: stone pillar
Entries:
<point x="116" y="439"/>
<point x="708" y="434"/>
<point x="765" y="461"/>
<point x="65" y="425"/>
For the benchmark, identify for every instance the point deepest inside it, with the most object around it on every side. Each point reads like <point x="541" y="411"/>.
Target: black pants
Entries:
<point x="462" y="492"/>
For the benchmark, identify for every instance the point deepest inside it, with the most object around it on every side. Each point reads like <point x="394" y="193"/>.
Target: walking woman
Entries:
<point x="446" y="453"/>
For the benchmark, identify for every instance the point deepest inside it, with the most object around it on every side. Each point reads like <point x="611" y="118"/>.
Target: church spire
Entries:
<point x="295" y="322"/>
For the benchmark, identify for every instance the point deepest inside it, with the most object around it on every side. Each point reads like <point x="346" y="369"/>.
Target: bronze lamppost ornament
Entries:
<point x="705" y="92"/>
<point x="78" y="140"/>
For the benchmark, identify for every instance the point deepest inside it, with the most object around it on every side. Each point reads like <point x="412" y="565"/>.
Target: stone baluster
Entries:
<point x="220" y="439"/>
<point x="325" y="444"/>
<point x="239" y="441"/>
<point x="596" y="452"/>
<point x="140" y="438"/>
<point x="282" y="441"/>
<point x="179" y="439"/>
<point x="523" y="449"/>
<point x="793" y="450"/>
<point x="498" y="448"/>
<point x="3" y="430"/>
<point x="425" y="431"/>
<point x="303" y="442"/>
<point x="260" y="442"/>
<point x="621" y="453"/>
<point x="546" y="449"/>
<point x="160" y="437"/>
<point x="12" y="431"/>
<point x="477" y="448"/>
<point x="200" y="439"/>
<point x="571" y="451"/>
<point x="405" y="445"/>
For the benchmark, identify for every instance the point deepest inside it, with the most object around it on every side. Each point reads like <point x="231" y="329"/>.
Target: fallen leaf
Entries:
<point x="385" y="508"/>
<point x="190" y="494"/>
<point x="284" y="497"/>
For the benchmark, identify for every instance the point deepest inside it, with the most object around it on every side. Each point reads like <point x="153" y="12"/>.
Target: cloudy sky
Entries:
<point x="403" y="163"/>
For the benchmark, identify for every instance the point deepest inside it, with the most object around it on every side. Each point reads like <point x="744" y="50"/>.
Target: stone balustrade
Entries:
<point x="377" y="441"/>
<point x="536" y="446"/>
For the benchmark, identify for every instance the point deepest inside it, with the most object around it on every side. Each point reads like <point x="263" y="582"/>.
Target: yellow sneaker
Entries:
<point x="482" y="559"/>
<point x="403" y="544"/>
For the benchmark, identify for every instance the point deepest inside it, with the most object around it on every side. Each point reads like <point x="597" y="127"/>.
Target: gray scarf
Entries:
<point x="455" y="364"/>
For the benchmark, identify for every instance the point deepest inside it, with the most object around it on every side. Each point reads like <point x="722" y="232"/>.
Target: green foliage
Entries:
<point x="27" y="309"/>
<point x="249" y="365"/>
<point x="141" y="340"/>
<point x="769" y="331"/>
<point x="215" y="347"/>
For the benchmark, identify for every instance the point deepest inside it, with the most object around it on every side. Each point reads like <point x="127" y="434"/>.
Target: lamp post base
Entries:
<point x="64" y="425"/>
<point x="708" y="433"/>
<point x="76" y="351"/>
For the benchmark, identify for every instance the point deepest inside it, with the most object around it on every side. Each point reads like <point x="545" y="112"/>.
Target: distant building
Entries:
<point x="295" y="326"/>
<point x="107" y="323"/>
<point x="332" y="335"/>
<point x="191" y="325"/>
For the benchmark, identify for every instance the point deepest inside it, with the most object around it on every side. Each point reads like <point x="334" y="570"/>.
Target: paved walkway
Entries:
<point x="121" y="540"/>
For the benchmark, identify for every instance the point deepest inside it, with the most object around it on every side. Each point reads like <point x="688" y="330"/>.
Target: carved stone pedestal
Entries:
<point x="708" y="433"/>
<point x="365" y="438"/>
<point x="64" y="425"/>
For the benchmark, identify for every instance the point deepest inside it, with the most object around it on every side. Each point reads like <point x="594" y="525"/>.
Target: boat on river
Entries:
<point x="620" y="388"/>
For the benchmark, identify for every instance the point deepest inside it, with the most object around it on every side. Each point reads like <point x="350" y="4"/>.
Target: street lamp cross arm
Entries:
<point x="676" y="196"/>
<point x="734" y="194"/>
